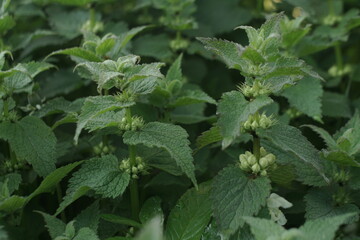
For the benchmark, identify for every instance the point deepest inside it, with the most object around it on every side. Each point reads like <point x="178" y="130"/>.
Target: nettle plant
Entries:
<point x="280" y="152"/>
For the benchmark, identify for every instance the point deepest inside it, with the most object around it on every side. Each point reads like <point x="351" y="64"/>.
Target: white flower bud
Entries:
<point x="256" y="168"/>
<point x="263" y="173"/>
<point x="252" y="160"/>
<point x="263" y="162"/>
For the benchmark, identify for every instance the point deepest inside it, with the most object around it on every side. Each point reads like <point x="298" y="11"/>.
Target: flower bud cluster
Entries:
<point x="249" y="163"/>
<point x="134" y="170"/>
<point x="10" y="167"/>
<point x="331" y="19"/>
<point x="256" y="121"/>
<point x="293" y="113"/>
<point x="341" y="176"/>
<point x="135" y="124"/>
<point x="257" y="89"/>
<point x="102" y="149"/>
<point x="334" y="71"/>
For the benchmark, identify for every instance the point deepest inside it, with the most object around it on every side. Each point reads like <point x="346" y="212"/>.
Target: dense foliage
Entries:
<point x="179" y="119"/>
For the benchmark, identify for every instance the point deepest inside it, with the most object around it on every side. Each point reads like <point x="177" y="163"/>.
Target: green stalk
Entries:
<point x="256" y="146"/>
<point x="338" y="55"/>
<point x="92" y="18"/>
<point x="331" y="7"/>
<point x="6" y="108"/>
<point x="260" y="4"/>
<point x="134" y="188"/>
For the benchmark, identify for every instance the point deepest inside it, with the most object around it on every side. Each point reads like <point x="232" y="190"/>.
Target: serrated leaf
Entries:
<point x="320" y="204"/>
<point x="89" y="217"/>
<point x="290" y="139"/>
<point x="330" y="142"/>
<point x="189" y="97"/>
<point x="55" y="226"/>
<point x="306" y="96"/>
<point x="127" y="36"/>
<point x="264" y="229"/>
<point x="86" y="234"/>
<point x="305" y="172"/>
<point x="208" y="137"/>
<point x="99" y="174"/>
<point x="323" y="229"/>
<point x="174" y="72"/>
<point x="79" y="53"/>
<point x="190" y="216"/>
<point x="95" y="106"/>
<point x="172" y="138"/>
<point x="342" y="158"/>
<point x="144" y="70"/>
<point x="229" y="52"/>
<point x="233" y="109"/>
<point x="101" y="72"/>
<point x="32" y="140"/>
<point x="59" y="105"/>
<point x="234" y="196"/>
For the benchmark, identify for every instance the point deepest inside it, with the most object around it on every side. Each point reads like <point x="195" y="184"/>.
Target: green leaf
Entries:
<point x="99" y="174"/>
<point x="235" y="195"/>
<point x="12" y="204"/>
<point x="264" y="229"/>
<point x="323" y="229"/>
<point x="59" y="105"/>
<point x="229" y="52"/>
<point x="306" y="96"/>
<point x="101" y="72"/>
<point x="208" y="137"/>
<point x="174" y="72"/>
<point x="55" y="226"/>
<point x="6" y="23"/>
<point x="291" y="140"/>
<point x="95" y="106"/>
<point x="190" y="216"/>
<point x="342" y="158"/>
<point x="127" y="36"/>
<point x="120" y="220"/>
<point x="192" y="97"/>
<point x="51" y="180"/>
<point x="67" y="23"/>
<point x="234" y="109"/>
<point x="86" y="234"/>
<point x="31" y="140"/>
<point x="150" y="209"/>
<point x="89" y="217"/>
<point x="79" y="53"/>
<point x="330" y="142"/>
<point x="320" y="204"/>
<point x="305" y="172"/>
<point x="172" y="138"/>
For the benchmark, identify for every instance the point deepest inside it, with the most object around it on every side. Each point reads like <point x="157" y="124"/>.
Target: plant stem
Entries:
<point x="260" y="5"/>
<point x="256" y="146"/>
<point x="134" y="189"/>
<point x="92" y="18"/>
<point x="6" y="108"/>
<point x="338" y="55"/>
<point x="331" y="7"/>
